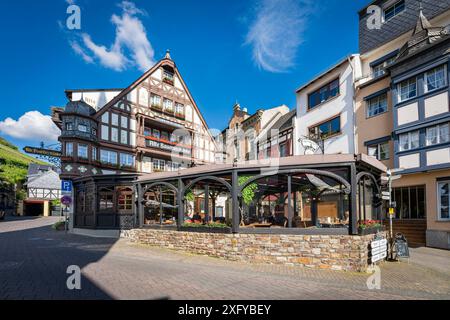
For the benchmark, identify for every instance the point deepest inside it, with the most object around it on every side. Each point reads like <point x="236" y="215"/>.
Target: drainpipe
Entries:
<point x="353" y="104"/>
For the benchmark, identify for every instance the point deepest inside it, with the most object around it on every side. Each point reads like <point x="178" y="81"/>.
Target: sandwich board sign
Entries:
<point x="378" y="250"/>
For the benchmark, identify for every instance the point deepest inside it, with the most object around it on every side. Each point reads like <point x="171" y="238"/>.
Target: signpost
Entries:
<point x="67" y="198"/>
<point x="43" y="152"/>
<point x="388" y="194"/>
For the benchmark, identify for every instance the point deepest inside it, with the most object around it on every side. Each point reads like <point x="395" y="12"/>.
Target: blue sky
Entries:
<point x="256" y="52"/>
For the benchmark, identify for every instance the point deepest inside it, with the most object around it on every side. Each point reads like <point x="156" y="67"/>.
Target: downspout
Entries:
<point x="353" y="103"/>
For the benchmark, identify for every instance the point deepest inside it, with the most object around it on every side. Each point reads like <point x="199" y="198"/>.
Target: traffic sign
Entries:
<point x="66" y="200"/>
<point x="66" y="186"/>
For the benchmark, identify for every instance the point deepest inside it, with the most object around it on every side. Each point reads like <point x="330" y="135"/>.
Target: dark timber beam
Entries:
<point x="180" y="203"/>
<point x="206" y="203"/>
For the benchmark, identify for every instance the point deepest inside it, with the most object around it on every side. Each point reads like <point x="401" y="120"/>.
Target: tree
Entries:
<point x="248" y="194"/>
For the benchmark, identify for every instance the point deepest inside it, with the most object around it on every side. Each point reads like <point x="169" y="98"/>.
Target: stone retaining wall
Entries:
<point x="336" y="252"/>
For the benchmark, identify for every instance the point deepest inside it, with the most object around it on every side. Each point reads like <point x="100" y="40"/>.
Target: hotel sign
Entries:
<point x="43" y="152"/>
<point x="167" y="147"/>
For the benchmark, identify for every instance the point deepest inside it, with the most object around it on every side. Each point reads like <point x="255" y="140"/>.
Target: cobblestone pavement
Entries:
<point x="34" y="259"/>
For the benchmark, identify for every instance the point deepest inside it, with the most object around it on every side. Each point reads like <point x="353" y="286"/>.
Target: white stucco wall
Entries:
<point x="95" y="99"/>
<point x="342" y="105"/>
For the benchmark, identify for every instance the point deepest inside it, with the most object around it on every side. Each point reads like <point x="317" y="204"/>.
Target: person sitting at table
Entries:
<point x="196" y="218"/>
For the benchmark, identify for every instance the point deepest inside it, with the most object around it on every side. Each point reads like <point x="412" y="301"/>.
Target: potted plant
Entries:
<point x="366" y="227"/>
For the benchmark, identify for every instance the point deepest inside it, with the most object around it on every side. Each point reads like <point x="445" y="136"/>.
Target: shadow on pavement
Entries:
<point x="34" y="261"/>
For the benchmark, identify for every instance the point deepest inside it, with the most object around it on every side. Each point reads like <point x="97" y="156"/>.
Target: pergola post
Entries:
<point x="160" y="205"/>
<point x="235" y="202"/>
<point x="140" y="206"/>
<point x="353" y="217"/>
<point x="290" y="209"/>
<point x="180" y="203"/>
<point x="206" y="202"/>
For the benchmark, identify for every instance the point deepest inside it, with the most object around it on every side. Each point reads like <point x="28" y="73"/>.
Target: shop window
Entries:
<point x="106" y="199"/>
<point x="410" y="202"/>
<point x="443" y="200"/>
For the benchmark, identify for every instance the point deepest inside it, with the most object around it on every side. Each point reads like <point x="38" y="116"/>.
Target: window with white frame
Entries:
<point x="156" y="100"/>
<point x="82" y="151"/>
<point x="168" y="105"/>
<point x="69" y="149"/>
<point x="379" y="70"/>
<point x="179" y="109"/>
<point x="438" y="134"/>
<point x="443" y="200"/>
<point x="127" y="160"/>
<point x="407" y="89"/>
<point x="159" y="165"/>
<point x="380" y="151"/>
<point x="377" y="105"/>
<point x="409" y="141"/>
<point x="82" y="128"/>
<point x="435" y="78"/>
<point x="108" y="157"/>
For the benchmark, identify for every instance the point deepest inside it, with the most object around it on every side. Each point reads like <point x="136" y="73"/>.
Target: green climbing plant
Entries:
<point x="248" y="194"/>
<point x="189" y="196"/>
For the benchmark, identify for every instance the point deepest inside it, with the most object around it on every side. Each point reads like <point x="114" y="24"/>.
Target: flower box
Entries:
<point x="180" y="116"/>
<point x="157" y="107"/>
<point x="370" y="230"/>
<point x="168" y="81"/>
<point x="369" y="227"/>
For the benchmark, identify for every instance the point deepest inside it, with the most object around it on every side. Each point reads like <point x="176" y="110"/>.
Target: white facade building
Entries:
<point x="325" y="106"/>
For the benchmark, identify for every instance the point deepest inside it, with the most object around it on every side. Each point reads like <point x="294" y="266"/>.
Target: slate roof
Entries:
<point x="48" y="180"/>
<point x="35" y="168"/>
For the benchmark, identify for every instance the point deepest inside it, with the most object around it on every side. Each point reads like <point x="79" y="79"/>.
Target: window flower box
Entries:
<point x="168" y="80"/>
<point x="157" y="107"/>
<point x="180" y="115"/>
<point x="369" y="227"/>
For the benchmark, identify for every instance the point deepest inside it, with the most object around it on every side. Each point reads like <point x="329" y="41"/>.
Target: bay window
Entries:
<point x="123" y="136"/>
<point x="437" y="134"/>
<point x="435" y="79"/>
<point x="114" y="119"/>
<point x="127" y="160"/>
<point x="82" y="151"/>
<point x="407" y="89"/>
<point x="108" y="157"/>
<point x="409" y="141"/>
<point x="114" y="134"/>
<point x="69" y="149"/>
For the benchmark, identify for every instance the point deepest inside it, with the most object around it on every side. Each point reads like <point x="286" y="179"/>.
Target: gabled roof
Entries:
<point x="283" y="123"/>
<point x="35" y="168"/>
<point x="167" y="60"/>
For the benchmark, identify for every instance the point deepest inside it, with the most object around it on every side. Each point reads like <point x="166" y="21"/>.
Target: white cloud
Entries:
<point x="80" y="51"/>
<point x="276" y="33"/>
<point x="131" y="45"/>
<point x="32" y="126"/>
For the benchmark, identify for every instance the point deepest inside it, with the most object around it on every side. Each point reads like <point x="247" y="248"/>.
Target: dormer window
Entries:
<point x="394" y="10"/>
<point x="168" y="77"/>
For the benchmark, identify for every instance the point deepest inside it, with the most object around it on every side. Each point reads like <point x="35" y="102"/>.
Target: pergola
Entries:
<point x="317" y="175"/>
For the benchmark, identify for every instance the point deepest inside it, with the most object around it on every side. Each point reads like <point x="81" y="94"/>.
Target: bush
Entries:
<point x="209" y="225"/>
<point x="59" y="226"/>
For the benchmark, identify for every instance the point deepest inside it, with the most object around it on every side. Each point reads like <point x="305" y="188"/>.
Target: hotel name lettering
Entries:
<point x="167" y="147"/>
<point x="43" y="152"/>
